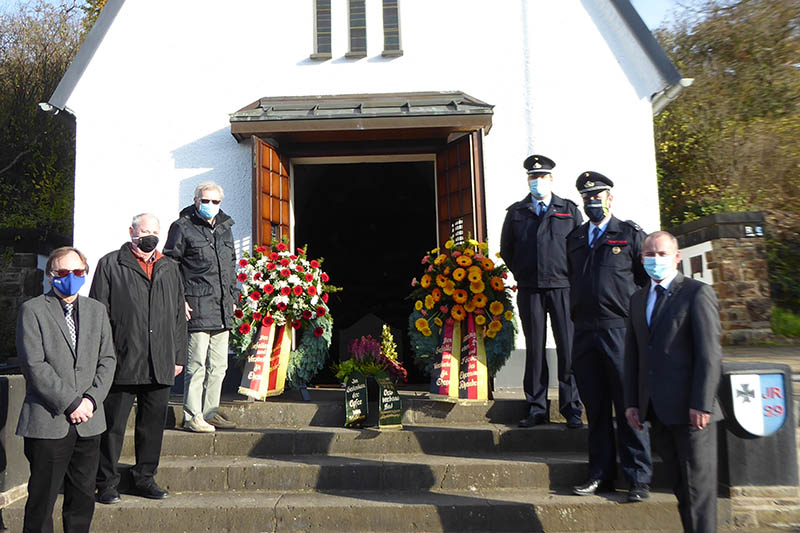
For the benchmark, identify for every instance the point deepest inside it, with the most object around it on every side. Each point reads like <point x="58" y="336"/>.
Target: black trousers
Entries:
<point x="598" y="360"/>
<point x="71" y="460"/>
<point x="534" y="306"/>
<point x="151" y="413"/>
<point x="690" y="458"/>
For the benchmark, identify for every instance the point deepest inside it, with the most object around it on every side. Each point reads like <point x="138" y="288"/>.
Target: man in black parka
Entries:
<point x="202" y="242"/>
<point x="143" y="293"/>
<point x="533" y="245"/>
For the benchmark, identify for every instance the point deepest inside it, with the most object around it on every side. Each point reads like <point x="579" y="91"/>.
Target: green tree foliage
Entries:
<point x="91" y="10"/>
<point x="730" y="142"/>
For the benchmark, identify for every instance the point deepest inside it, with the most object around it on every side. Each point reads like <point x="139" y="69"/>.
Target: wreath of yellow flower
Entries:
<point x="437" y="294"/>
<point x="496" y="308"/>
<point x="458" y="313"/>
<point x="449" y="244"/>
<point x="469" y="307"/>
<point x="474" y="275"/>
<point x="468" y="252"/>
<point x="440" y="280"/>
<point x="449" y="288"/>
<point x="509" y="315"/>
<point x="421" y="324"/>
<point x="460" y="296"/>
<point x="487" y="264"/>
<point x="459" y="274"/>
<point x="480" y="320"/>
<point x="440" y="259"/>
<point x="418" y="305"/>
<point x="495" y="325"/>
<point x="480" y="300"/>
<point x="477" y="287"/>
<point x="497" y="284"/>
<point x="464" y="260"/>
<point x="425" y="282"/>
<point x="429" y="302"/>
<point x="437" y="321"/>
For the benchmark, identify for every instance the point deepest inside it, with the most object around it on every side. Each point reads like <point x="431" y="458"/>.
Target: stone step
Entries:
<point x="431" y="511"/>
<point x="450" y="439"/>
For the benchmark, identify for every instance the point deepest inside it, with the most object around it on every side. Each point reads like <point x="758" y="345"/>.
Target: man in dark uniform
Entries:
<point x="533" y="245"/>
<point x="605" y="269"/>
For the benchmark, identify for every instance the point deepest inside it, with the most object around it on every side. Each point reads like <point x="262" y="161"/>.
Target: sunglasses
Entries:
<point x="62" y="273"/>
<point x="206" y="200"/>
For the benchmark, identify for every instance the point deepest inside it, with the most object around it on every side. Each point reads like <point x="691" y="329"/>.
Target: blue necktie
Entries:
<point x="595" y="236"/>
<point x="542" y="208"/>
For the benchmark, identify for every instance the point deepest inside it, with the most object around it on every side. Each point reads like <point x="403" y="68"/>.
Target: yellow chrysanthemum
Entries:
<point x="509" y="315"/>
<point x="449" y="245"/>
<point x="458" y="313"/>
<point x="421" y="324"/>
<point x="469" y="307"/>
<point x="469" y="252"/>
<point x="491" y="334"/>
<point x="496" y="308"/>
<point x="418" y="305"/>
<point x="480" y="320"/>
<point x="497" y="255"/>
<point x="460" y="296"/>
<point x="425" y="282"/>
<point x="487" y="264"/>
<point x="495" y="325"/>
<point x="474" y="275"/>
<point x="446" y="271"/>
<point x="473" y="242"/>
<point x="437" y="321"/>
<point x="426" y="332"/>
<point x="437" y="294"/>
<point x="429" y="302"/>
<point x="440" y="280"/>
<point x="496" y="283"/>
<point x="449" y="288"/>
<point x="483" y="246"/>
<point x="477" y="287"/>
<point x="435" y="251"/>
<point x="440" y="259"/>
<point x="459" y="274"/>
<point x="480" y="300"/>
<point x="464" y="260"/>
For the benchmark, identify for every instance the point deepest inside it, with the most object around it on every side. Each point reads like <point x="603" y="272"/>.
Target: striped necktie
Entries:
<point x="595" y="236"/>
<point x="70" y="322"/>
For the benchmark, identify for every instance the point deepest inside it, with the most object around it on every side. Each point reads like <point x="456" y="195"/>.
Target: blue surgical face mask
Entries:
<point x="659" y="267"/>
<point x="69" y="285"/>
<point x="540" y="187"/>
<point x="208" y="211"/>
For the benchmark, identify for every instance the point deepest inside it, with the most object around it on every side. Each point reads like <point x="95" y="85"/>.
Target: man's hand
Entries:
<point x="699" y="419"/>
<point x="188" y="313"/>
<point x="632" y="414"/>
<point x="83" y="412"/>
<point x="178" y="369"/>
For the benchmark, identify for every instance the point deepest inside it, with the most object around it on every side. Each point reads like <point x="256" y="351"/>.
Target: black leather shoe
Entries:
<point x="108" y="496"/>
<point x="639" y="492"/>
<point x="152" y="491"/>
<point x="533" y="420"/>
<point x="574" y="422"/>
<point x="593" y="486"/>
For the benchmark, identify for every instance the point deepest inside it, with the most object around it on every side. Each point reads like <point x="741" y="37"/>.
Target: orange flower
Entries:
<point x="426" y="332"/>
<point x="437" y="294"/>
<point x="480" y="300"/>
<point x="480" y="320"/>
<point x="469" y="252"/>
<point x="460" y="296"/>
<point x="440" y="280"/>
<point x="464" y="260"/>
<point x="474" y="274"/>
<point x="429" y="302"/>
<point x="440" y="259"/>
<point x="469" y="307"/>
<point x="491" y="334"/>
<point x="449" y="287"/>
<point x="421" y="324"/>
<point x="458" y="313"/>
<point x="509" y="315"/>
<point x="497" y="284"/>
<point x="487" y="263"/>
<point x="446" y="271"/>
<point x="477" y="287"/>
<point x="495" y="325"/>
<point x="425" y="281"/>
<point x="496" y="308"/>
<point x="459" y="274"/>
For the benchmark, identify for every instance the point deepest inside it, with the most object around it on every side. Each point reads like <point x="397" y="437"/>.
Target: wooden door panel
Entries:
<point x="271" y="193"/>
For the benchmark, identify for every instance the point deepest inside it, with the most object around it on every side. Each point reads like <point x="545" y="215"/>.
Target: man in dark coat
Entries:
<point x="604" y="270"/>
<point x="533" y="245"/>
<point x="67" y="357"/>
<point x="202" y="242"/>
<point x="143" y="292"/>
<point x="673" y="362"/>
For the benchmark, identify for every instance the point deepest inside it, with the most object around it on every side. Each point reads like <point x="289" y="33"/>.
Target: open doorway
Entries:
<point x="372" y="223"/>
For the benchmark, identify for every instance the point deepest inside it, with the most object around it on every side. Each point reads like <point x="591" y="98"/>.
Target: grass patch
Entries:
<point x="785" y="323"/>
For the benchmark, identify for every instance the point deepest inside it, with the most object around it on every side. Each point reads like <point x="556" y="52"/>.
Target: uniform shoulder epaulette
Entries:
<point x="570" y="202"/>
<point x="635" y="226"/>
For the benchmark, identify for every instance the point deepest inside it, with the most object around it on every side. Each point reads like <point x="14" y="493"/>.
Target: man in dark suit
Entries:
<point x="67" y="355"/>
<point x="673" y="362"/>
<point x="143" y="292"/>
<point x="533" y="245"/>
<point x="605" y="269"/>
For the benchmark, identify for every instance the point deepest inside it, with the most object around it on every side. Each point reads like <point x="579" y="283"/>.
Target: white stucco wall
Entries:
<point x="152" y="107"/>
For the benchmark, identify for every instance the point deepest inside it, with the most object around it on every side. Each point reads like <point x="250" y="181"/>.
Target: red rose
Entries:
<point x="242" y="276"/>
<point x="312" y="291"/>
<point x="256" y="316"/>
<point x="286" y="272"/>
<point x="284" y="262"/>
<point x="267" y="320"/>
<point x="314" y="263"/>
<point x="293" y="257"/>
<point x="268" y="288"/>
<point x="238" y="313"/>
<point x="309" y="277"/>
<point x="244" y="329"/>
<point x="300" y="251"/>
<point x="261" y="249"/>
<point x="274" y="256"/>
<point x="257" y="276"/>
<point x="296" y="324"/>
<point x="243" y="262"/>
<point x="281" y="247"/>
<point x="255" y="295"/>
<point x="270" y="266"/>
<point x="324" y="297"/>
<point x="306" y="314"/>
<point x="241" y="296"/>
<point x="320" y="311"/>
<point x="298" y="290"/>
<point x="286" y="291"/>
<point x="318" y="332"/>
<point x="324" y="277"/>
<point x="300" y="268"/>
<point x="282" y="306"/>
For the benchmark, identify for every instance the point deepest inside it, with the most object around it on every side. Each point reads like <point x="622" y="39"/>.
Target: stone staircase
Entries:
<point x="453" y="467"/>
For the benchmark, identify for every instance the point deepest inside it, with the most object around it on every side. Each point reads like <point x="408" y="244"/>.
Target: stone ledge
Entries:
<point x="10" y="496"/>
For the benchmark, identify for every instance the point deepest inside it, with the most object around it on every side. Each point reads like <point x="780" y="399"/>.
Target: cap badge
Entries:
<point x="537" y="165"/>
<point x="589" y="184"/>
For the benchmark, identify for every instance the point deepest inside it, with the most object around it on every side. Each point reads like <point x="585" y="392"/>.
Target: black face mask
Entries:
<point x="596" y="210"/>
<point x="147" y="243"/>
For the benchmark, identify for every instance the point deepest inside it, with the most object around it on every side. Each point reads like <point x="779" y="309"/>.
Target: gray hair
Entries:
<point x="206" y="185"/>
<point x="137" y="220"/>
<point x="658" y="234"/>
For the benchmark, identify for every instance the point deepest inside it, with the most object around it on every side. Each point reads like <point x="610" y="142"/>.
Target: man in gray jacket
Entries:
<point x="202" y="242"/>
<point x="67" y="355"/>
